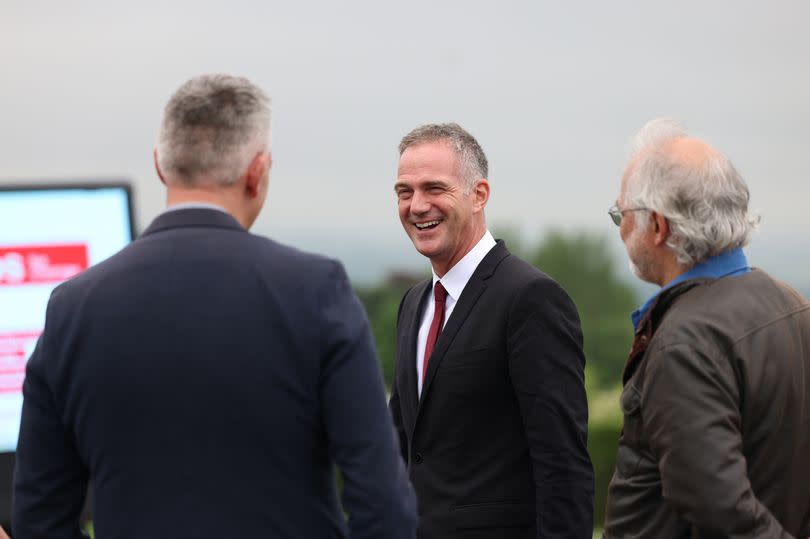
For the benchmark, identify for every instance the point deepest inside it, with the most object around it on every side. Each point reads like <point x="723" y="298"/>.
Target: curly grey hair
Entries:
<point x="705" y="203"/>
<point x="213" y="126"/>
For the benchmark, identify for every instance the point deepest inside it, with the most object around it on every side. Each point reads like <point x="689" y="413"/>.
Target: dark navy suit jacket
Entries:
<point x="496" y="442"/>
<point x="207" y="380"/>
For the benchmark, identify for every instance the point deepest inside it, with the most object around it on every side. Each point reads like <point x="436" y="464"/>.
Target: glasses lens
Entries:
<point x="616" y="215"/>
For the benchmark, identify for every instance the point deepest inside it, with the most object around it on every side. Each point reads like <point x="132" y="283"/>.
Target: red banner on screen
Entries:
<point x="41" y="264"/>
<point x="15" y="347"/>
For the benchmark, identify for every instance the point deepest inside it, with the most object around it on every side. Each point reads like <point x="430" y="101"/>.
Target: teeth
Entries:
<point x="426" y="225"/>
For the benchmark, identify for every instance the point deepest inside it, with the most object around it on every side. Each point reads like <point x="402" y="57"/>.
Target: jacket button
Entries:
<point x="418" y="459"/>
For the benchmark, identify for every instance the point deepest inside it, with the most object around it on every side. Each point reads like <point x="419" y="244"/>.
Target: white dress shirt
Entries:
<point x="194" y="205"/>
<point x="454" y="282"/>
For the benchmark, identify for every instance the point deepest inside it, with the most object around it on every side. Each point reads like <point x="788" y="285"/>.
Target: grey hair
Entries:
<point x="213" y="126"/>
<point x="705" y="202"/>
<point x="473" y="161"/>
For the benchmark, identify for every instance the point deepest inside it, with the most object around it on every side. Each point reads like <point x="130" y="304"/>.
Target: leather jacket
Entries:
<point x="716" y="405"/>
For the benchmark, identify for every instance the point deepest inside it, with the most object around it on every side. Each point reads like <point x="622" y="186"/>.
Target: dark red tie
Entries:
<point x="439" y="296"/>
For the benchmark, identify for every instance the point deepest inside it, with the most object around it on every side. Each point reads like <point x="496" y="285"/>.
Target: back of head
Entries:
<point x="212" y="128"/>
<point x="470" y="154"/>
<point x="696" y="188"/>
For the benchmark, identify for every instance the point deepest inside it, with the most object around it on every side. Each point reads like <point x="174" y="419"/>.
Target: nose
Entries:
<point x="419" y="203"/>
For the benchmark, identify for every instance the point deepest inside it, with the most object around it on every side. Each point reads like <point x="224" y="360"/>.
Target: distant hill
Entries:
<point x="370" y="260"/>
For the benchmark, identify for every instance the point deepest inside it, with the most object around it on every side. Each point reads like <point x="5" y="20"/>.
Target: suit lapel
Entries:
<point x="464" y="306"/>
<point x="410" y="318"/>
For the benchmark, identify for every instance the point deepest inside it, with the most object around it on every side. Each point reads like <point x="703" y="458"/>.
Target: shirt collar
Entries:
<point x="456" y="279"/>
<point x="195" y="205"/>
<point x="731" y="262"/>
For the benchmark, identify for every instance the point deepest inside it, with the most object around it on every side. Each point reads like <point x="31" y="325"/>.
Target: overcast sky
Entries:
<point x="552" y="91"/>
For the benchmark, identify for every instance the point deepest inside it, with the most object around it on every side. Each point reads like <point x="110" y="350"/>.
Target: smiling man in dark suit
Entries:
<point x="489" y="397"/>
<point x="207" y="379"/>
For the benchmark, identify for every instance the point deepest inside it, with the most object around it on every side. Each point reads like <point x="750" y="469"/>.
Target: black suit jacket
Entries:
<point x="207" y="380"/>
<point x="496" y="445"/>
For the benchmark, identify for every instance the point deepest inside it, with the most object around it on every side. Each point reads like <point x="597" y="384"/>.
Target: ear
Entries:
<point x="157" y="166"/>
<point x="480" y="194"/>
<point x="660" y="227"/>
<point x="255" y="173"/>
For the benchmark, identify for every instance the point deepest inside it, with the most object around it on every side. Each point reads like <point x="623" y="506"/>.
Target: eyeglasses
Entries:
<point x="616" y="214"/>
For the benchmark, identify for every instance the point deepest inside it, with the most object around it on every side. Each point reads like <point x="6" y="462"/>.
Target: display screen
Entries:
<point x="47" y="235"/>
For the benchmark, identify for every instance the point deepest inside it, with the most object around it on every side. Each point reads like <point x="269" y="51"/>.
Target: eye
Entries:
<point x="404" y="194"/>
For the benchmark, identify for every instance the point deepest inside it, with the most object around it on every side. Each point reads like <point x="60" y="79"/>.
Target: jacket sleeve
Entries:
<point x="394" y="403"/>
<point x="547" y="365"/>
<point x="396" y="415"/>
<point x="377" y="495"/>
<point x="690" y="408"/>
<point x="50" y="480"/>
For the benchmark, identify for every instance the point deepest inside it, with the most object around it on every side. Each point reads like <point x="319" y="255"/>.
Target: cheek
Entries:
<point x="445" y="207"/>
<point x="624" y="231"/>
<point x="632" y="242"/>
<point x="404" y="210"/>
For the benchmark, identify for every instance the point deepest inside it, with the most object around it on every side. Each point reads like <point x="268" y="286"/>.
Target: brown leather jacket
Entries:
<point x="716" y="403"/>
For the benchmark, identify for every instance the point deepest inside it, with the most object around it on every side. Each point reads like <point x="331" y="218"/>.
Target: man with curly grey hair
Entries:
<point x="716" y="397"/>
<point x="207" y="379"/>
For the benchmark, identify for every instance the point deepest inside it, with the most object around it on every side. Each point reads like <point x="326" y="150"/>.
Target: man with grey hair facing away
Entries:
<point x="716" y="397"/>
<point x="208" y="380"/>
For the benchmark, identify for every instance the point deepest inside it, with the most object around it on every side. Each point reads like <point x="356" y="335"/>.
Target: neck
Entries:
<point x="441" y="267"/>
<point x="670" y="271"/>
<point x="218" y="196"/>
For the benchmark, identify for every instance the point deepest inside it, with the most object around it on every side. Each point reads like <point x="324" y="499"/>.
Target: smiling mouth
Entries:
<point x="427" y="225"/>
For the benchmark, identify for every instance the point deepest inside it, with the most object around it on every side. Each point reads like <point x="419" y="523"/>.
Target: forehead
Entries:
<point x="628" y="171"/>
<point x="435" y="159"/>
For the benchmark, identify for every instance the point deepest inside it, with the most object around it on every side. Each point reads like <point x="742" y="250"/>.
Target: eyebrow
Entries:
<point x="435" y="183"/>
<point x="427" y="184"/>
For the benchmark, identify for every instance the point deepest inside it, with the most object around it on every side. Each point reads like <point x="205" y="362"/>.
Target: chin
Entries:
<point x="427" y="253"/>
<point x="425" y="248"/>
<point x="640" y="273"/>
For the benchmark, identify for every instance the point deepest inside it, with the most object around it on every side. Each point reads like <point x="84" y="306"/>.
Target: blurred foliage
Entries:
<point x="582" y="263"/>
<point x="604" y="428"/>
<point x="602" y="443"/>
<point x="382" y="304"/>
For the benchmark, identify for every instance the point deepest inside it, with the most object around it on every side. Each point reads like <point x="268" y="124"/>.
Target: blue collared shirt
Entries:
<point x="727" y="263"/>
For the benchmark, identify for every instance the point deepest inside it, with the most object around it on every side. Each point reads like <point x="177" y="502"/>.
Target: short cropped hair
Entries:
<point x="473" y="161"/>
<point x="213" y="126"/>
